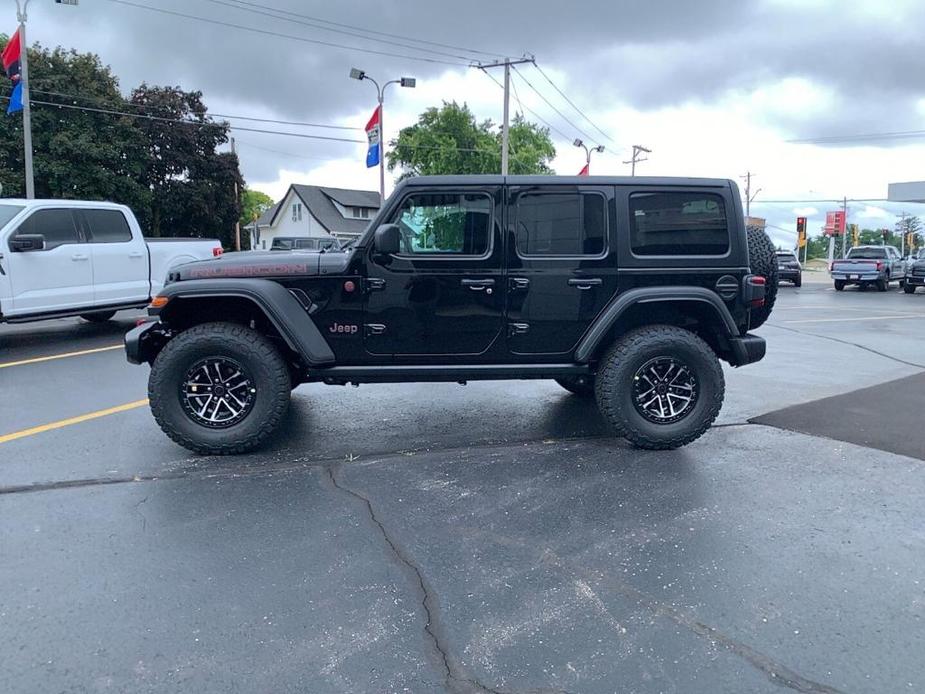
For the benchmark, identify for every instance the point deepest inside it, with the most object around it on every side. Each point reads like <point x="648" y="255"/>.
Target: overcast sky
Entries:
<point x="713" y="87"/>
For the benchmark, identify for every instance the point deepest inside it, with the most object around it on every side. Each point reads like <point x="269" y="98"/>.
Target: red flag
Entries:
<point x="584" y="171"/>
<point x="11" y="52"/>
<point x="374" y="135"/>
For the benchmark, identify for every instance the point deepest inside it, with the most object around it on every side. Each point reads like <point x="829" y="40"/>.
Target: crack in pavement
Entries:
<point x="850" y="344"/>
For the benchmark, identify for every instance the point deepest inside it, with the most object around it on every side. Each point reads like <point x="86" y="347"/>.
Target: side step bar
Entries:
<point x="442" y="373"/>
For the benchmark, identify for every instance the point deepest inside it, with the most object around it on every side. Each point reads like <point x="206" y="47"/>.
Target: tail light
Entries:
<point x="217" y="251"/>
<point x="879" y="265"/>
<point x="755" y="289"/>
<point x="831" y="266"/>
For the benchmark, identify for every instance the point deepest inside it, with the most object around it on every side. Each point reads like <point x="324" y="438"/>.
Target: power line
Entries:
<point x="273" y="13"/>
<point x="531" y="111"/>
<point x="266" y="32"/>
<point x="550" y="104"/>
<point x="368" y="31"/>
<point x="213" y="114"/>
<point x="180" y="121"/>
<point x="899" y="135"/>
<point x="571" y="103"/>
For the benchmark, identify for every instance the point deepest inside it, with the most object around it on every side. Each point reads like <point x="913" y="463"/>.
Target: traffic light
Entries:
<point x="801" y="232"/>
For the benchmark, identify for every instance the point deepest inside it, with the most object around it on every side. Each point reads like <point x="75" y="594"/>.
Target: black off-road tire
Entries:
<point x="615" y="386"/>
<point x="582" y="386"/>
<point x="762" y="259"/>
<point x="839" y="285"/>
<point x="798" y="282"/>
<point x="98" y="316"/>
<point x="909" y="288"/>
<point x="883" y="285"/>
<point x="254" y="352"/>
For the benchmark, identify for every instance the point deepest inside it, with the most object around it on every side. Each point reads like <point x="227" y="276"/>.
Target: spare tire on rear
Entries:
<point x="762" y="260"/>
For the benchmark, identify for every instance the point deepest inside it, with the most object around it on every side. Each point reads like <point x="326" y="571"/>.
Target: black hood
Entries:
<point x="264" y="264"/>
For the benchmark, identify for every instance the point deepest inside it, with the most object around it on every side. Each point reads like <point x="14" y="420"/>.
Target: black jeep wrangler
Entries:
<point x="630" y="290"/>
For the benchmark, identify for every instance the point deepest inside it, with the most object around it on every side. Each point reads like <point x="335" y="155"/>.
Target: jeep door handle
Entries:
<point x="477" y="285"/>
<point x="586" y="283"/>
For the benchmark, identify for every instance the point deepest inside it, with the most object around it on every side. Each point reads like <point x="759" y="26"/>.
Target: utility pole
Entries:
<point x="749" y="196"/>
<point x="26" y="105"/>
<point x="237" y="219"/>
<point x="635" y="158"/>
<point x="902" y="232"/>
<point x="505" y="141"/>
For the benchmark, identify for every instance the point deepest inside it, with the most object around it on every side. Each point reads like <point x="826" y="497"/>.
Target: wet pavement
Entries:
<point x="487" y="538"/>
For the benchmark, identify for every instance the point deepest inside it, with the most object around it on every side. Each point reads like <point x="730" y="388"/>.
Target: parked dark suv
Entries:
<point x="789" y="268"/>
<point x="630" y="290"/>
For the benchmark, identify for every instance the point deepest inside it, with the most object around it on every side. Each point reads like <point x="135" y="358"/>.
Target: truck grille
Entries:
<point x="918" y="271"/>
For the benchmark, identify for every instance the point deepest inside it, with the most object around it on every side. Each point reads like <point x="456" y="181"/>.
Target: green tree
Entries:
<point x="449" y="140"/>
<point x="253" y="204"/>
<point x="76" y="153"/>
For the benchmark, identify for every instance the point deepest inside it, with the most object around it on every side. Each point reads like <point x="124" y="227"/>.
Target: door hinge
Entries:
<point x="374" y="328"/>
<point x="519" y="284"/>
<point x="517" y="329"/>
<point x="375" y="284"/>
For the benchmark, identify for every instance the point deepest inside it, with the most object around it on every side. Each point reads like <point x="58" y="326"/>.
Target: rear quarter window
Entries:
<point x="678" y="223"/>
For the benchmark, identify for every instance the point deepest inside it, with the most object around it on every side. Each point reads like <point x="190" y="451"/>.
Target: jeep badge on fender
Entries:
<point x="630" y="291"/>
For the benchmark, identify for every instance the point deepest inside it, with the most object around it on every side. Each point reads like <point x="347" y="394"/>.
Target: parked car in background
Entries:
<point x="297" y="243"/>
<point x="866" y="265"/>
<point x="77" y="258"/>
<point x="915" y="273"/>
<point x="789" y="268"/>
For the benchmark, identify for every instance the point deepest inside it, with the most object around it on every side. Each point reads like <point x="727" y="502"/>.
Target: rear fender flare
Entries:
<point x="650" y="295"/>
<point x="280" y="307"/>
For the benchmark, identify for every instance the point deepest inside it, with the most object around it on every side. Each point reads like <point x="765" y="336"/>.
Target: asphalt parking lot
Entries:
<point x="487" y="538"/>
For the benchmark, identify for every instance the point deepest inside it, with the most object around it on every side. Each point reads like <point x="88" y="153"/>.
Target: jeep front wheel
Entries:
<point x="660" y="386"/>
<point x="219" y="388"/>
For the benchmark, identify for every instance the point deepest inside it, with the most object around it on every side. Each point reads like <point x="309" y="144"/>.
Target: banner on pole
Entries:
<point x="374" y="135"/>
<point x="584" y="171"/>
<point x="12" y="65"/>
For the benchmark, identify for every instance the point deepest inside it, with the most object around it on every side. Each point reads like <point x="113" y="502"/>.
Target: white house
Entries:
<point x="316" y="212"/>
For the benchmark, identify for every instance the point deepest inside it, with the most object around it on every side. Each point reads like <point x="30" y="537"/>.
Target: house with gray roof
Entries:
<point x="316" y="212"/>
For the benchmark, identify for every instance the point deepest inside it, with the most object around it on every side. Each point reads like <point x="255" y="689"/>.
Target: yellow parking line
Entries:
<point x="36" y="360"/>
<point x="72" y="420"/>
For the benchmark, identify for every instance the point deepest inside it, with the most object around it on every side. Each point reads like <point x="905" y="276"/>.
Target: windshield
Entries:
<point x="7" y="212"/>
<point x="867" y="253"/>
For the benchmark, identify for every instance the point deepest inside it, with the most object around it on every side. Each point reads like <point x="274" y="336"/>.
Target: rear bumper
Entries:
<point x="858" y="276"/>
<point x="788" y="275"/>
<point x="747" y="349"/>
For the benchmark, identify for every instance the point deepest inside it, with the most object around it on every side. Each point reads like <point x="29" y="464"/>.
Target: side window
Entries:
<point x="57" y="226"/>
<point x="561" y="224"/>
<point x="107" y="226"/>
<point x="678" y="224"/>
<point x="445" y="223"/>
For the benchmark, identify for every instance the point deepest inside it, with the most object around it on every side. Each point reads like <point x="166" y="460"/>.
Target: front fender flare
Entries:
<point x="280" y="307"/>
<point x="646" y="295"/>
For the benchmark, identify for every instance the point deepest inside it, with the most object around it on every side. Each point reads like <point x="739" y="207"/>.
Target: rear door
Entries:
<point x="58" y="278"/>
<point x="442" y="294"/>
<point x="121" y="269"/>
<point x="561" y="270"/>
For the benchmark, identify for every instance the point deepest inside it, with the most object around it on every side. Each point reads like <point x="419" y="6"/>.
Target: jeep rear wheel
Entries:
<point x="660" y="386"/>
<point x="762" y="260"/>
<point x="579" y="385"/>
<point x="219" y="388"/>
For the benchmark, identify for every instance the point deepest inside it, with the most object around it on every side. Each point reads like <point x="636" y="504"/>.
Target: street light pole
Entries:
<point x="408" y="82"/>
<point x="580" y="143"/>
<point x="26" y="106"/>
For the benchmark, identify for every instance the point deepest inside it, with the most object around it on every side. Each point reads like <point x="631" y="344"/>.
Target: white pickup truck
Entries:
<point x="76" y="258"/>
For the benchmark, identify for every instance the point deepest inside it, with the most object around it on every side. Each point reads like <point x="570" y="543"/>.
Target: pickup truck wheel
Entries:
<point x="909" y="288"/>
<point x="839" y="285"/>
<point x="98" y="317"/>
<point x="660" y="386"/>
<point x="762" y="260"/>
<point x="579" y="385"/>
<point x="883" y="285"/>
<point x="219" y="388"/>
<point x="798" y="282"/>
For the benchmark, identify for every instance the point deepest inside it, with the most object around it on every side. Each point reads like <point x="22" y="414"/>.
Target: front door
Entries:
<point x="58" y="278"/>
<point x="562" y="270"/>
<point x="443" y="293"/>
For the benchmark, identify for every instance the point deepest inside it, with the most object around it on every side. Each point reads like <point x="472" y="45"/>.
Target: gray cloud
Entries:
<point x="644" y="54"/>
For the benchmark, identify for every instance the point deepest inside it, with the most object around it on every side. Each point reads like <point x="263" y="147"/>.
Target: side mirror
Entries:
<point x="387" y="240"/>
<point x="27" y="242"/>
